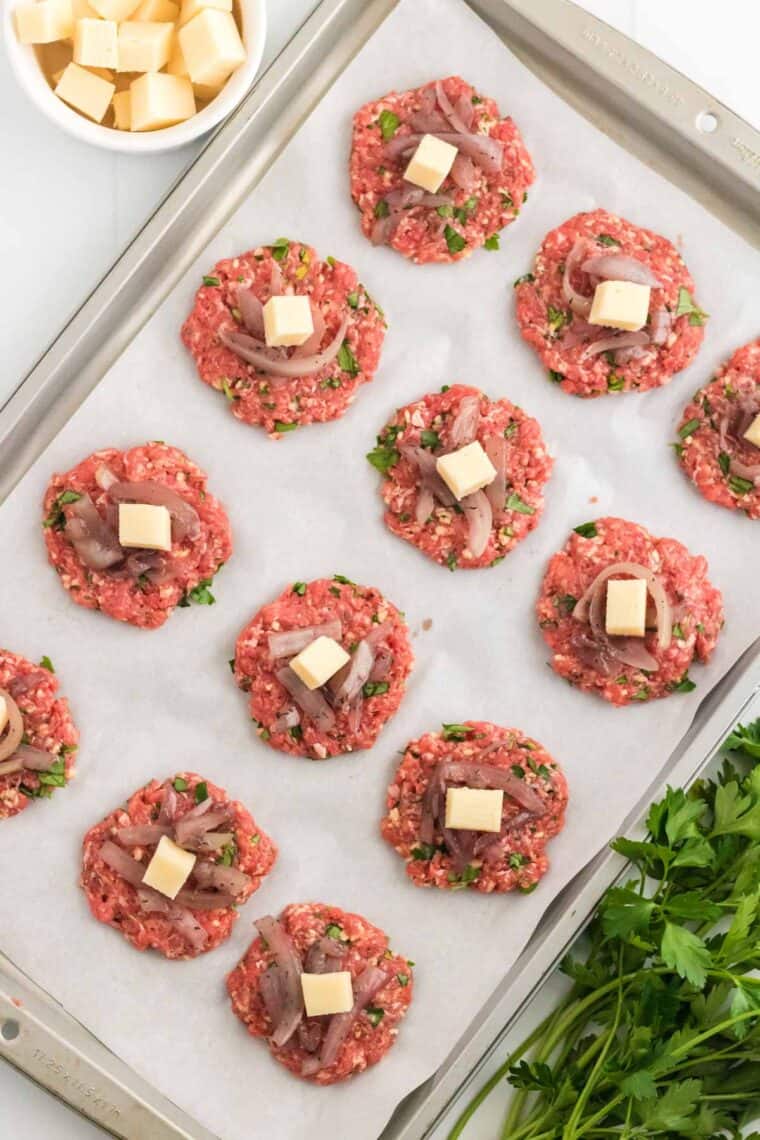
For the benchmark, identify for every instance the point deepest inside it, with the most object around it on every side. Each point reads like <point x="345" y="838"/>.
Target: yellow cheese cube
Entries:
<point x="430" y="163"/>
<point x="212" y="47"/>
<point x="84" y="91"/>
<point x="176" y="64"/>
<point x="752" y="434"/>
<point x="467" y="470"/>
<point x="95" y="43"/>
<point x="145" y="527"/>
<point x="319" y="661"/>
<point x="157" y="11"/>
<point x="144" y="46"/>
<point x="474" y="809"/>
<point x="3" y="713"/>
<point x="205" y="94"/>
<point x="169" y="869"/>
<point x="81" y="10"/>
<point x="44" y="22"/>
<point x="287" y="321"/>
<point x="122" y="114"/>
<point x="620" y="305"/>
<point x="327" y="993"/>
<point x="626" y="612"/>
<point x="160" y="100"/>
<point x="191" y="8"/>
<point x="117" y="10"/>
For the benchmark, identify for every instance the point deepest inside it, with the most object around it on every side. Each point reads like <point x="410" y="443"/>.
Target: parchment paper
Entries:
<point x="150" y="703"/>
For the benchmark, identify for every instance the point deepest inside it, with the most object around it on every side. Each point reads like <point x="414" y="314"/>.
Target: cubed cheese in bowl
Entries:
<point x="106" y="117"/>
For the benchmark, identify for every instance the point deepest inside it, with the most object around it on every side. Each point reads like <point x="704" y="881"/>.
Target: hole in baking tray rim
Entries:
<point x="707" y="122"/>
<point x="10" y="1030"/>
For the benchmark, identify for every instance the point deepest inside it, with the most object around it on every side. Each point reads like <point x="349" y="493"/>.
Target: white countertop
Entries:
<point x="67" y="211"/>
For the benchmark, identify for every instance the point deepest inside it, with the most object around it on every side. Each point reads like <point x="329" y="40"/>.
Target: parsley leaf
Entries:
<point x="179" y="783"/>
<point x="524" y="280"/>
<point x="607" y="239"/>
<point x="454" y="241"/>
<point x="200" y="594"/>
<point x="201" y="792"/>
<point x="430" y="439"/>
<point x="689" y="428"/>
<point x="56" y="518"/>
<point x="280" y="249"/>
<point x="745" y="738"/>
<point x="491" y="242"/>
<point x="456" y="731"/>
<point x="586" y="530"/>
<point x="515" y="503"/>
<point x="686" y="953"/>
<point x="388" y="123"/>
<point x="557" y="318"/>
<point x="211" y="281"/>
<point x="46" y="663"/>
<point x="347" y="361"/>
<point x="375" y="688"/>
<point x="299" y="588"/>
<point x="686" y="305"/>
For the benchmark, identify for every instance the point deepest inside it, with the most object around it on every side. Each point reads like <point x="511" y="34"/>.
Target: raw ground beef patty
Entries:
<point x="483" y="192"/>
<point x="343" y="353"/>
<point x="563" y="339"/>
<point x="484" y="527"/>
<point x="608" y="665"/>
<point x="136" y="586"/>
<point x="712" y="450"/>
<point x="479" y="755"/>
<point x="232" y="860"/>
<point x="46" y="727"/>
<point x="348" y="713"/>
<point x="324" y="939"/>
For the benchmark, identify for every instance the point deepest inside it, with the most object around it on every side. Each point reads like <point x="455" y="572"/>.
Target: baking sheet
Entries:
<point x="148" y="704"/>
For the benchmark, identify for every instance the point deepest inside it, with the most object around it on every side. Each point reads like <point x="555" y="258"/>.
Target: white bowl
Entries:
<point x="29" y="74"/>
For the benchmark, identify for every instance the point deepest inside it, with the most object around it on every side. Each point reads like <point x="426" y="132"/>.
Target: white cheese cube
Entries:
<point x="44" y="22"/>
<point x="752" y="434"/>
<point x="3" y="713"/>
<point x="327" y="993"/>
<point x="85" y="92"/>
<point x="122" y="113"/>
<point x="620" y="305"/>
<point x="191" y="8"/>
<point x="157" y="11"/>
<point x="319" y="661"/>
<point x="626" y="612"/>
<point x="95" y="43"/>
<point x="169" y="869"/>
<point x="287" y="321"/>
<point x="430" y="163"/>
<point x="467" y="470"/>
<point x="117" y="10"/>
<point x="474" y="809"/>
<point x="212" y="47"/>
<point x="160" y="100"/>
<point x="144" y="46"/>
<point x="144" y="526"/>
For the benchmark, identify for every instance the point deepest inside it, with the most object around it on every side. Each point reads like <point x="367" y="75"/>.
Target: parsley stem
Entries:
<point x="588" y="1087"/>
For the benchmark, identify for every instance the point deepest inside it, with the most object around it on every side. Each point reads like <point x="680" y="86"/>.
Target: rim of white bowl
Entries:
<point x="30" y="76"/>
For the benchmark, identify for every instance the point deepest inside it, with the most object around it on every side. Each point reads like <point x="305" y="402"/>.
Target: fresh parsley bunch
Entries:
<point x="660" y="1033"/>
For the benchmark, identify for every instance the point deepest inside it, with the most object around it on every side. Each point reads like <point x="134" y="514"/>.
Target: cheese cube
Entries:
<point x="430" y="163"/>
<point x="205" y="94"/>
<point x="157" y="11"/>
<point x="144" y="46"/>
<point x="620" y="305"/>
<point x="626" y="612"/>
<point x="191" y="8"/>
<point x="169" y="869"/>
<point x="212" y="47"/>
<point x="84" y="91"/>
<point x="327" y="993"/>
<point x="81" y="10"/>
<point x="160" y="100"/>
<point x="122" y="114"/>
<point x="752" y="434"/>
<point x="176" y="64"/>
<point x="145" y="527"/>
<point x="44" y="22"/>
<point x="287" y="321"/>
<point x="474" y="809"/>
<point x="319" y="661"/>
<point x="467" y="470"/>
<point x="95" y="43"/>
<point x="117" y="10"/>
<point x="3" y="713"/>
